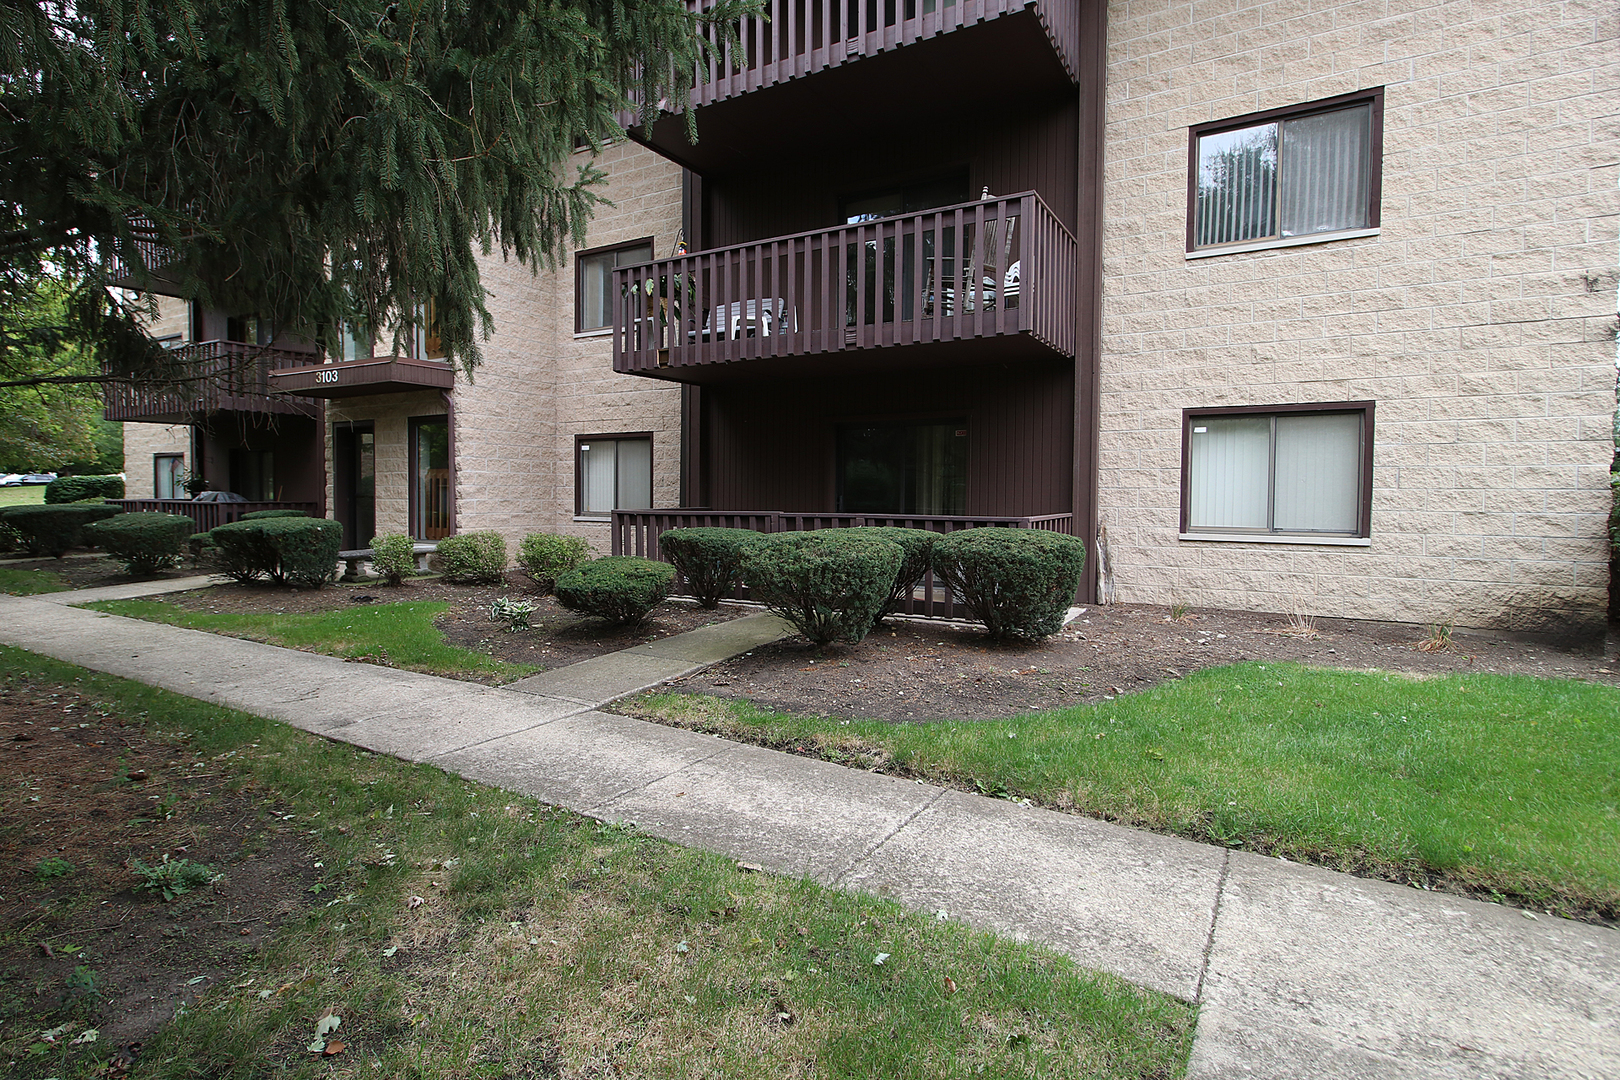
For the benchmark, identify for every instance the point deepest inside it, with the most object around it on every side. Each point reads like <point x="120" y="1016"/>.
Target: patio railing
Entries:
<point x="982" y="269"/>
<point x="215" y="375"/>
<point x="209" y="514"/>
<point x="636" y="532"/>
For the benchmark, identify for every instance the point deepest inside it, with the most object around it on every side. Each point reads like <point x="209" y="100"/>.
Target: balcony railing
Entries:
<point x="215" y="376"/>
<point x="979" y="270"/>
<point x="636" y="532"/>
<point x="207" y="515"/>
<point x="794" y="38"/>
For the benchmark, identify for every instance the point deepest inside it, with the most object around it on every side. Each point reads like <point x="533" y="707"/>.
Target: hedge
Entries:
<point x="543" y="556"/>
<point x="918" y="545"/>
<point x="1018" y="582"/>
<point x="393" y="555"/>
<point x="296" y="551"/>
<point x="709" y="558"/>
<point x="72" y="489"/>
<point x="53" y="530"/>
<point x="621" y="588"/>
<point x="832" y="585"/>
<point x="145" y="541"/>
<point x="476" y="558"/>
<point x="262" y="515"/>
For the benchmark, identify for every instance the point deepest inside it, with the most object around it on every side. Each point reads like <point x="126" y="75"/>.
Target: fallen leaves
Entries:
<point x="324" y="1027"/>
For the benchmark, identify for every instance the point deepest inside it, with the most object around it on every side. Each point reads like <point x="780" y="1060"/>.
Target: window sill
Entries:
<point x="1281" y="538"/>
<point x="586" y="335"/>
<point x="1286" y="242"/>
<point x="594" y="519"/>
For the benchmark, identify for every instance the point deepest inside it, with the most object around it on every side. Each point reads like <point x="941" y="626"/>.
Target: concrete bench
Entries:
<point x="352" y="559"/>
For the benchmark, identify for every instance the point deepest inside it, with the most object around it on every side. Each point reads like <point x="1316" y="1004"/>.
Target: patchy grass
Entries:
<point x="460" y="931"/>
<point x="1501" y="785"/>
<point x="29" y="582"/>
<point x="26" y="495"/>
<point x="401" y="635"/>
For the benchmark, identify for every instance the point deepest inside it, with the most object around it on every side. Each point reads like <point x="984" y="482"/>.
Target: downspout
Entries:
<point x="455" y="473"/>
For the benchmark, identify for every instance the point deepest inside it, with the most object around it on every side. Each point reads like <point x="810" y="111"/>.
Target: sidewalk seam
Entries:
<point x="1214" y="921"/>
<point x="508" y="734"/>
<point x="873" y="850"/>
<point x="590" y="810"/>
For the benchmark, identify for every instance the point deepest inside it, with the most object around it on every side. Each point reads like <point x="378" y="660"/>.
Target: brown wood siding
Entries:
<point x="773" y="446"/>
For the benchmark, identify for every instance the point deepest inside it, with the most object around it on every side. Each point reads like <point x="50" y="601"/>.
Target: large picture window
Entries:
<point x="594" y="281"/>
<point x="614" y="473"/>
<point x="903" y="468"/>
<point x="1290" y="471"/>
<point x="1294" y="175"/>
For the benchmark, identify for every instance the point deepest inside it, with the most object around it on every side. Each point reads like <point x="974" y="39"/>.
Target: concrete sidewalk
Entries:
<point x="1298" y="971"/>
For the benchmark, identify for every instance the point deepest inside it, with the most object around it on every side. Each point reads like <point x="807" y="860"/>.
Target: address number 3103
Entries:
<point x="328" y="376"/>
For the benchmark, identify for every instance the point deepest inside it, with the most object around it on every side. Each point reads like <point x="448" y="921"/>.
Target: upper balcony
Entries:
<point x="217" y="376"/>
<point x="873" y="59"/>
<point x="988" y="279"/>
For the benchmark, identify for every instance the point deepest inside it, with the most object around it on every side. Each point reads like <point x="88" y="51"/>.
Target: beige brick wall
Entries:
<point x="540" y="385"/>
<point x="141" y="443"/>
<point x="1481" y="319"/>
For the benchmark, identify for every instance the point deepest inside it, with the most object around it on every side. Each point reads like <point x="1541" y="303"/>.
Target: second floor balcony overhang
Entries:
<point x="367" y="375"/>
<point x="988" y="280"/>
<point x="211" y="377"/>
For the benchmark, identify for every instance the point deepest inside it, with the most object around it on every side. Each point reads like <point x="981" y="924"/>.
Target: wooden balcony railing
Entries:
<point x="981" y="269"/>
<point x="794" y="38"/>
<point x="636" y="532"/>
<point x="207" y="515"/>
<point x="213" y="376"/>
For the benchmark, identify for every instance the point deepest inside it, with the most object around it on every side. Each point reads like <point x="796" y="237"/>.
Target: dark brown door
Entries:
<point x="354" y="482"/>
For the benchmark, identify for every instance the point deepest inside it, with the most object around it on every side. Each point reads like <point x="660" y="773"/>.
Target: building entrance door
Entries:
<point x="354" y="482"/>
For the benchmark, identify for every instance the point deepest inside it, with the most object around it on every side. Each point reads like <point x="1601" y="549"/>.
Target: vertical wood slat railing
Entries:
<point x="794" y="38"/>
<point x="209" y="515"/>
<point x="231" y="375"/>
<point x="981" y="269"/>
<point x="636" y="532"/>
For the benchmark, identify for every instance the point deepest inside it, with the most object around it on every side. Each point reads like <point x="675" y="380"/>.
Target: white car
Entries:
<point x="11" y="479"/>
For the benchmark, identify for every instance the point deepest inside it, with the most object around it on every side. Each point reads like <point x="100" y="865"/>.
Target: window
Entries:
<point x="1288" y="176"/>
<point x="594" y="282"/>
<point x="903" y="468"/>
<point x="430" y="477"/>
<point x="909" y="199"/>
<point x="169" y="476"/>
<point x="1297" y="471"/>
<point x="614" y="473"/>
<point x="253" y="474"/>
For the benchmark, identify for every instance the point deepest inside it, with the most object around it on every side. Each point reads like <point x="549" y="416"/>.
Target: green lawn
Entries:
<point x="547" y="944"/>
<point x="29" y="582"/>
<point x="401" y="635"/>
<point x="32" y="494"/>
<point x="1500" y="783"/>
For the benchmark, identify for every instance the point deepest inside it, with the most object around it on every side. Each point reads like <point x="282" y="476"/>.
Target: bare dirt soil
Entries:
<point x="913" y="671"/>
<point x="557" y="637"/>
<point x="86" y="792"/>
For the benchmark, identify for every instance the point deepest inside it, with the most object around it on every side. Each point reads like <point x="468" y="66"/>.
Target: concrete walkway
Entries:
<point x="1298" y="971"/>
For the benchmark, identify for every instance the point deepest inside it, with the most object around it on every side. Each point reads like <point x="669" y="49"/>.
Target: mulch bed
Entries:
<point x="89" y="788"/>
<point x="912" y="671"/>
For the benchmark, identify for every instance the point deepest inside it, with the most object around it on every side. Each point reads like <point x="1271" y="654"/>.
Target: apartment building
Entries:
<point x="1305" y="305"/>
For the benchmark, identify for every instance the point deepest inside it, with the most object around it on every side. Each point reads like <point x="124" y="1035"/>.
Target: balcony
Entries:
<point x="978" y="55"/>
<point x="994" y="277"/>
<point x="370" y="375"/>
<point x="217" y="376"/>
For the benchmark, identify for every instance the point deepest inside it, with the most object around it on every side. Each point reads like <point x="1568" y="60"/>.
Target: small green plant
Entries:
<point x="172" y="877"/>
<point x="514" y="613"/>
<point x="709" y="558"/>
<point x="543" y="556"/>
<point x="393" y="555"/>
<point x="1178" y="610"/>
<point x="1018" y="582"/>
<point x="475" y="558"/>
<point x="80" y="985"/>
<point x="52" y="868"/>
<point x="145" y="542"/>
<point x="832" y="585"/>
<point x="621" y="589"/>
<point x="1439" y="639"/>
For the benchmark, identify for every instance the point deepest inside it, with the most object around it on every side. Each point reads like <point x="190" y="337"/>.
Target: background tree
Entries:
<point x="312" y="162"/>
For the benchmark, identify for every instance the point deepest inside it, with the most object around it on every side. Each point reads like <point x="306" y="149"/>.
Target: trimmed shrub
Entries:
<point x="620" y="588"/>
<point x="832" y="585"/>
<point x="72" y="489"/>
<point x="393" y="555"/>
<point x="146" y="541"/>
<point x="52" y="530"/>
<point x="709" y="558"/>
<point x="545" y="555"/>
<point x="475" y="558"/>
<point x="296" y="551"/>
<point x="918" y="545"/>
<point x="1018" y="582"/>
<point x="261" y="515"/>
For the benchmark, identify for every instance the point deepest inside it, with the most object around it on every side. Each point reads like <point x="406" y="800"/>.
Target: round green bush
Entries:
<point x="261" y="515"/>
<point x="709" y="558"/>
<point x="147" y="542"/>
<point x="545" y="555"/>
<point x="1018" y="582"/>
<point x="393" y="555"/>
<point x="918" y="545"/>
<point x="621" y="589"/>
<point x="832" y="585"/>
<point x="295" y="551"/>
<point x="53" y="530"/>
<point x="476" y="558"/>
<point x="72" y="489"/>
